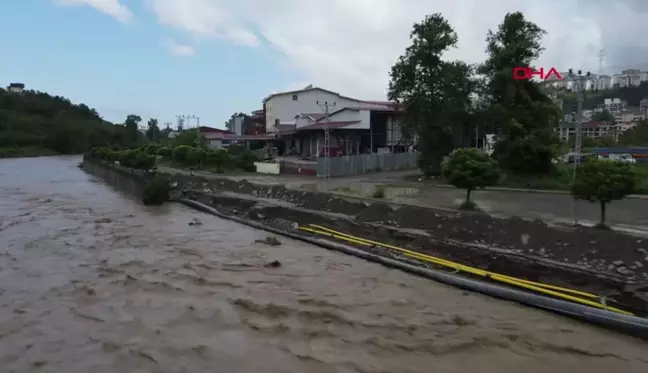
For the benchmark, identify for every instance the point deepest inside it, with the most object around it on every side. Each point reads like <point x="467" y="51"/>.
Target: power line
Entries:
<point x="188" y="118"/>
<point x="327" y="138"/>
<point x="579" y="79"/>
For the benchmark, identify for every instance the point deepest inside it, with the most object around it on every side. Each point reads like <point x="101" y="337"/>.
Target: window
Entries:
<point x="295" y="97"/>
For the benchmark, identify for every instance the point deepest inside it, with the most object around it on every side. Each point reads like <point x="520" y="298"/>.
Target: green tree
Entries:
<point x="220" y="159"/>
<point x="39" y="123"/>
<point x="471" y="169"/>
<point x="132" y="132"/>
<point x="188" y="137"/>
<point x="165" y="152"/>
<point x="435" y="94"/>
<point x="603" y="181"/>
<point x="637" y="136"/>
<point x="520" y="112"/>
<point x="153" y="132"/>
<point x="181" y="153"/>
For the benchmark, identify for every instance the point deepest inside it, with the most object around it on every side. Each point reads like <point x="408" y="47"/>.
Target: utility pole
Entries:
<point x="578" y="79"/>
<point x="188" y="118"/>
<point x="327" y="138"/>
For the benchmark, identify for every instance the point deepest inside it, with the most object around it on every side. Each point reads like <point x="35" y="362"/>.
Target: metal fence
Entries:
<point x="365" y="163"/>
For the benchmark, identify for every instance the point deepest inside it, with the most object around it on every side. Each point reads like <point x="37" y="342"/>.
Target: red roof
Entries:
<point x="331" y="125"/>
<point x="211" y="129"/>
<point x="284" y="127"/>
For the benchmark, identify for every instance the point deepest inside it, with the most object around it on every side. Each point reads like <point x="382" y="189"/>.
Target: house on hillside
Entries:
<point x="16" y="87"/>
<point x="295" y="121"/>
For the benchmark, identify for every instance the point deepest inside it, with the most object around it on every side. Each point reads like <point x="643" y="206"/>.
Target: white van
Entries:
<point x="624" y="157"/>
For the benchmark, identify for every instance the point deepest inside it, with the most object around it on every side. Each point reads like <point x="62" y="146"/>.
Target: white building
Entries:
<point x="16" y="87"/>
<point x="630" y="78"/>
<point x="356" y="126"/>
<point x="603" y="82"/>
<point x="283" y="108"/>
<point x="235" y="124"/>
<point x="615" y="105"/>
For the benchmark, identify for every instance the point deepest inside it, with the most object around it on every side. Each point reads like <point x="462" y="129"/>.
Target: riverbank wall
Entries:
<point x="604" y="262"/>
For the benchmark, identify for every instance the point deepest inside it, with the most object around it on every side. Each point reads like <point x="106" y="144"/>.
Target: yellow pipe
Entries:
<point x="502" y="278"/>
<point x="463" y="267"/>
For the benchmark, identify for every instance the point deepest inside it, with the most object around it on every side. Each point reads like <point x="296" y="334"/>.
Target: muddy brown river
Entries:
<point x="93" y="281"/>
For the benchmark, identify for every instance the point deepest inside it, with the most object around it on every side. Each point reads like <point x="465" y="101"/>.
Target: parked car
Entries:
<point x="621" y="157"/>
<point x="572" y="157"/>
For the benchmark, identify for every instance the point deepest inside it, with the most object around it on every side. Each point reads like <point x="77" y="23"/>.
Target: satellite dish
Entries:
<point x="309" y="86"/>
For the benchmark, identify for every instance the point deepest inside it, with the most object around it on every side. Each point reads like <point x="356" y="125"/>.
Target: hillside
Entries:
<point x="36" y="123"/>
<point x="594" y="98"/>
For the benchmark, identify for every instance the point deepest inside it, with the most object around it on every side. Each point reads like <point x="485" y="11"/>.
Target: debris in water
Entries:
<point x="195" y="252"/>
<point x="195" y="221"/>
<point x="272" y="241"/>
<point x="273" y="264"/>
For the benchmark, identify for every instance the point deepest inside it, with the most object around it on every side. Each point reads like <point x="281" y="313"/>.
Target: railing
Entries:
<point x="365" y="163"/>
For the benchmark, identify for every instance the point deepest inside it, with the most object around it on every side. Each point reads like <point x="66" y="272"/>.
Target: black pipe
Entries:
<point x="633" y="325"/>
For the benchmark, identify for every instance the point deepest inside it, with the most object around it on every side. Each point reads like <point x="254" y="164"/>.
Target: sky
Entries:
<point x="212" y="58"/>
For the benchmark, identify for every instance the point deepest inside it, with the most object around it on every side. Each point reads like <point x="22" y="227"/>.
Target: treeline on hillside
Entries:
<point x="34" y="119"/>
<point x="593" y="99"/>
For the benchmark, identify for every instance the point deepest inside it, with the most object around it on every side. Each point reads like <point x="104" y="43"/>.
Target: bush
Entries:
<point x="603" y="181"/>
<point x="246" y="162"/>
<point x="195" y="156"/>
<point x="150" y="148"/>
<point x="379" y="192"/>
<point x="470" y="169"/>
<point x="220" y="159"/>
<point x="165" y="152"/>
<point x="144" y="161"/>
<point x="128" y="158"/>
<point x="157" y="190"/>
<point x="181" y="152"/>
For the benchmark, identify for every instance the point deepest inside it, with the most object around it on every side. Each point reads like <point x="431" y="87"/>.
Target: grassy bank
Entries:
<point x="26" y="152"/>
<point x="561" y="179"/>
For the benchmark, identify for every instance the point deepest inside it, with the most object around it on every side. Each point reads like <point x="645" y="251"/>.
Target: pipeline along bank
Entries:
<point x="283" y="210"/>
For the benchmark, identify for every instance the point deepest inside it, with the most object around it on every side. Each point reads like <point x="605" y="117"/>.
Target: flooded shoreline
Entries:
<point x="91" y="280"/>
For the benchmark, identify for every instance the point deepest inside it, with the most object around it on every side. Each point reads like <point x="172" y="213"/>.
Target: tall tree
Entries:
<point x="153" y="131"/>
<point x="434" y="93"/>
<point x="522" y="115"/>
<point x="131" y="123"/>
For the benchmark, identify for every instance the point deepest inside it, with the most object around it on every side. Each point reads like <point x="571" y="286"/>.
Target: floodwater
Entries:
<point x="92" y="281"/>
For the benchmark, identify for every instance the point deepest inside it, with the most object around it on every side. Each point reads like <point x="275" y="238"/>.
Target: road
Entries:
<point x="627" y="214"/>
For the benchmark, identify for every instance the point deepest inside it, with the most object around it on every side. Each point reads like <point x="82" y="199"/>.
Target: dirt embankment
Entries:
<point x="605" y="262"/>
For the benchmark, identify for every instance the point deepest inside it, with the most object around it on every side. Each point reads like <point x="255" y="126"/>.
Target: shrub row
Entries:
<point x="220" y="159"/>
<point x="145" y="157"/>
<point x="133" y="158"/>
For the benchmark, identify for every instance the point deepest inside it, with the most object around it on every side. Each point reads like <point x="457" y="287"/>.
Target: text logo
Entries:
<point x="526" y="73"/>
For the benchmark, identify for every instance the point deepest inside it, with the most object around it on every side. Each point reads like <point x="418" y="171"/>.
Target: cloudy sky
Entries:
<point x="159" y="58"/>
